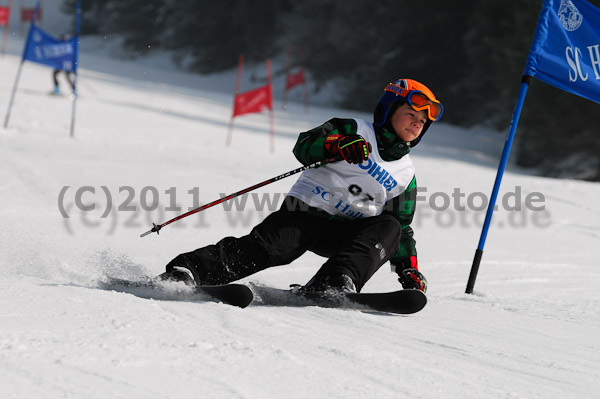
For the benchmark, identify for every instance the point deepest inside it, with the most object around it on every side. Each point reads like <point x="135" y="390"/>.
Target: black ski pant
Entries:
<point x="67" y="74"/>
<point x="355" y="247"/>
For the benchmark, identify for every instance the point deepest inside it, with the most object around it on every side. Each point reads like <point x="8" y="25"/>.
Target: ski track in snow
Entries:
<point x="529" y="331"/>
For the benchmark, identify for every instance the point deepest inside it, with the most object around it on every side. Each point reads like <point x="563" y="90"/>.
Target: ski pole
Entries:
<point x="156" y="227"/>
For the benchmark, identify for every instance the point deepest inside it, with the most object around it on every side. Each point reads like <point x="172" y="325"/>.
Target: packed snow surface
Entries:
<point x="149" y="144"/>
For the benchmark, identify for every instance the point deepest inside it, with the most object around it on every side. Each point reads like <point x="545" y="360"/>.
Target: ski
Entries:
<point x="400" y="302"/>
<point x="231" y="294"/>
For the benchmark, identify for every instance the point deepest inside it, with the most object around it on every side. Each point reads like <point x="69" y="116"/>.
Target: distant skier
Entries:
<point x="68" y="75"/>
<point x="355" y="212"/>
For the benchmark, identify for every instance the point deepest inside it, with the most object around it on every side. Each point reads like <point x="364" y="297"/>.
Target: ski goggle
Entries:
<point x="419" y="101"/>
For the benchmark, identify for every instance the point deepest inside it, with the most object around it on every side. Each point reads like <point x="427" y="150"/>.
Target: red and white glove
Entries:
<point x="409" y="275"/>
<point x="352" y="148"/>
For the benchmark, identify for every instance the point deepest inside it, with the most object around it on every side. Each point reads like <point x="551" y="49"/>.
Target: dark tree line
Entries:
<point x="471" y="53"/>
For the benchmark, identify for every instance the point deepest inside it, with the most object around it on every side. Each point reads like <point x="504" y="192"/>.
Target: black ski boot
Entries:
<point x="329" y="284"/>
<point x="179" y="273"/>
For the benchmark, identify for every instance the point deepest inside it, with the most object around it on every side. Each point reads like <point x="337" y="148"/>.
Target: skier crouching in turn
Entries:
<point x="355" y="212"/>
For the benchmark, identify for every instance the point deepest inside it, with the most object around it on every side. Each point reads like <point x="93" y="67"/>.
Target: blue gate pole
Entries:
<point x="25" y="50"/>
<point x="75" y="65"/>
<point x="503" y="161"/>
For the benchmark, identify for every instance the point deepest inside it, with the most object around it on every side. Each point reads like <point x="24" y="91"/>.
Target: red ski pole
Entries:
<point x="156" y="227"/>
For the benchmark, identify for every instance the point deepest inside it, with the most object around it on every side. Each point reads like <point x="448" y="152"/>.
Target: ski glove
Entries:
<point x="352" y="148"/>
<point x="409" y="275"/>
<point x="412" y="278"/>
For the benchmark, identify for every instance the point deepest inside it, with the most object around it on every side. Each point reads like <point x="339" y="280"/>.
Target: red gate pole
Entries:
<point x="271" y="119"/>
<point x="288" y="61"/>
<point x="6" y="28"/>
<point x="304" y="86"/>
<point x="236" y="91"/>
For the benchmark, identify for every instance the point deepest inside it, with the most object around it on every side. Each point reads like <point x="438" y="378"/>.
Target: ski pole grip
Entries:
<point x="155" y="228"/>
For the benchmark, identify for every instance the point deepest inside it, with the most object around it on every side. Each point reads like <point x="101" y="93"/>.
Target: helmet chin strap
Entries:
<point x="390" y="129"/>
<point x="414" y="142"/>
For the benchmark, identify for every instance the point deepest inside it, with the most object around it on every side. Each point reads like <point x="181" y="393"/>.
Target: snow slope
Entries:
<point x="530" y="331"/>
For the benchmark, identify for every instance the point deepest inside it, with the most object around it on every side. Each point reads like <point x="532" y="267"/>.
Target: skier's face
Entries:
<point x="408" y="123"/>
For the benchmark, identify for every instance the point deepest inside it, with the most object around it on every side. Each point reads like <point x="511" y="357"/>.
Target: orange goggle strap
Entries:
<point x="419" y="101"/>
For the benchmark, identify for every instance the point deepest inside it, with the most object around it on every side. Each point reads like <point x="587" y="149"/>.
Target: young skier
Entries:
<point x="56" y="72"/>
<point x="68" y="75"/>
<point x="355" y="212"/>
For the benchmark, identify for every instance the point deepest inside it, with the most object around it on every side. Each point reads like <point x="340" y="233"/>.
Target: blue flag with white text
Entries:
<point x="42" y="48"/>
<point x="565" y="51"/>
